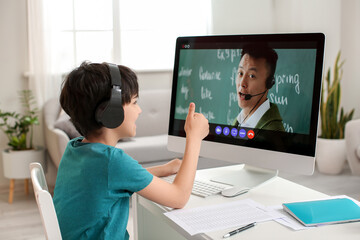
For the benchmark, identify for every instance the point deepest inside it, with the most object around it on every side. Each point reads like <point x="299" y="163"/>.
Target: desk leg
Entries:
<point x="153" y="224"/>
<point x="11" y="190"/>
<point x="135" y="217"/>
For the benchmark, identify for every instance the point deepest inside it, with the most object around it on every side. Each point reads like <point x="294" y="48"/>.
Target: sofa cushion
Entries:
<point x="64" y="123"/>
<point x="154" y="119"/>
<point x="148" y="149"/>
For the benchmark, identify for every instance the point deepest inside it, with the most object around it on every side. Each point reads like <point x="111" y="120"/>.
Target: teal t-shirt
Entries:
<point x="93" y="189"/>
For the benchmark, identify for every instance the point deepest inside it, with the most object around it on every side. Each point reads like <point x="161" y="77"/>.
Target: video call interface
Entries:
<point x="254" y="92"/>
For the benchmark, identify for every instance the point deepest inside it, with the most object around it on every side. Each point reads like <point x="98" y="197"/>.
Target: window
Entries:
<point x="138" y="33"/>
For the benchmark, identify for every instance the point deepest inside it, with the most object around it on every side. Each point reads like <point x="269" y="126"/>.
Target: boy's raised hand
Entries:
<point x="178" y="193"/>
<point x="196" y="125"/>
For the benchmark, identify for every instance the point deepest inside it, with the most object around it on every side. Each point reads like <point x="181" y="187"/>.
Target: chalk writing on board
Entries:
<point x="289" y="79"/>
<point x="205" y="93"/>
<point x="185" y="91"/>
<point x="181" y="111"/>
<point x="279" y="100"/>
<point x="229" y="118"/>
<point x="208" y="114"/>
<point x="225" y="54"/>
<point x="234" y="76"/>
<point x="232" y="98"/>
<point x="206" y="75"/>
<point x="287" y="127"/>
<point x="185" y="72"/>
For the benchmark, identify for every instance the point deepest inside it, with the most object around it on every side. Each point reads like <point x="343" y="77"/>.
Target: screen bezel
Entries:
<point x="300" y="40"/>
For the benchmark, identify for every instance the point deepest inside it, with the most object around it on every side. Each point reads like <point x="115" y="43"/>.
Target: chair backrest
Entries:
<point x="44" y="202"/>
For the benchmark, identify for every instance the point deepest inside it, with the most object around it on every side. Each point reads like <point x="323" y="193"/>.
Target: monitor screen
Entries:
<point x="259" y="92"/>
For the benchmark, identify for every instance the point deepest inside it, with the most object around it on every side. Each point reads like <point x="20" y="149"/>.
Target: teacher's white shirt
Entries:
<point x="251" y="121"/>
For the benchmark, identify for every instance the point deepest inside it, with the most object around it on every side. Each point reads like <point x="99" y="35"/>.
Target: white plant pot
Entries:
<point x="16" y="163"/>
<point x="330" y="155"/>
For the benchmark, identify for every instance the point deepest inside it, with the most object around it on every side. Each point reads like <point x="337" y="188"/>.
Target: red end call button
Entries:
<point x="250" y="134"/>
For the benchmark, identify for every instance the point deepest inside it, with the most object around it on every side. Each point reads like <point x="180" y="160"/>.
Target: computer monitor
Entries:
<point x="261" y="95"/>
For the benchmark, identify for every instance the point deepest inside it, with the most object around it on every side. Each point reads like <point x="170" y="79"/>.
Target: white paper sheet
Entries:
<point x="219" y="216"/>
<point x="282" y="217"/>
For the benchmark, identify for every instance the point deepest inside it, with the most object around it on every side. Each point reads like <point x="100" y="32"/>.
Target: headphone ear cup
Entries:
<point x="100" y="111"/>
<point x="270" y="82"/>
<point x="111" y="113"/>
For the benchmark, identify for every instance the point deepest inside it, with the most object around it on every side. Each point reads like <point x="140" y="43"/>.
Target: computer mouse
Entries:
<point x="235" y="191"/>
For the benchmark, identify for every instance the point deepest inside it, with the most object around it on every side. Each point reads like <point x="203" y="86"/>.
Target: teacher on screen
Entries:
<point x="254" y="79"/>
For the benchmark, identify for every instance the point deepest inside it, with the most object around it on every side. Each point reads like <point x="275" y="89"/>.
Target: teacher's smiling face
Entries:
<point x="251" y="79"/>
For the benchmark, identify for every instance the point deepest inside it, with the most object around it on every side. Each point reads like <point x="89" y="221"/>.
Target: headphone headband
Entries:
<point x="114" y="74"/>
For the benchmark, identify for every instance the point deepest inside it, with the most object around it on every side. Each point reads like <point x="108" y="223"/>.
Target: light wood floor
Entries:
<point x="21" y="220"/>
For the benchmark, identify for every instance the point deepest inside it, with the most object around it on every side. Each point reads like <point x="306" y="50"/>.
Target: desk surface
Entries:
<point x="150" y="223"/>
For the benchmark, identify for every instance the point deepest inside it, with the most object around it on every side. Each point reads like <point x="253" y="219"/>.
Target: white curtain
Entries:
<point x="44" y="79"/>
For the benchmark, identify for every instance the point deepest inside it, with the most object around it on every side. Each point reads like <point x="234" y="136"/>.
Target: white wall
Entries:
<point x="350" y="46"/>
<point x="13" y="59"/>
<point x="242" y="17"/>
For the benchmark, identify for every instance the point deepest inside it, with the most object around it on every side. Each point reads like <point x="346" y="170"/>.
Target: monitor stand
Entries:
<point x="244" y="180"/>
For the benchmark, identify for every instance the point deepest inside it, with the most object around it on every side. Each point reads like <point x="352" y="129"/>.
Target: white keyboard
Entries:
<point x="200" y="188"/>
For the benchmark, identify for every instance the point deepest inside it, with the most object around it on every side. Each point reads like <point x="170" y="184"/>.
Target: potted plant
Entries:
<point x="18" y="129"/>
<point x="331" y="150"/>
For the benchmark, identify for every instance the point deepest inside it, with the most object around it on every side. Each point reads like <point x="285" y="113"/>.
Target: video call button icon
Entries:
<point x="234" y="132"/>
<point x="226" y="131"/>
<point x="250" y="134"/>
<point x="218" y="130"/>
<point x="242" y="133"/>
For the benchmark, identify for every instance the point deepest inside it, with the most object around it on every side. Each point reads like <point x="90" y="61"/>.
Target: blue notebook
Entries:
<point x="338" y="210"/>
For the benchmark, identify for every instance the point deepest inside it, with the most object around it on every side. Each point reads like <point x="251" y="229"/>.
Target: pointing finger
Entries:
<point x="191" y="109"/>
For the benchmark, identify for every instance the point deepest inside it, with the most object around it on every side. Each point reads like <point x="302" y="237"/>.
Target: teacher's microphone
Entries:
<point x="249" y="96"/>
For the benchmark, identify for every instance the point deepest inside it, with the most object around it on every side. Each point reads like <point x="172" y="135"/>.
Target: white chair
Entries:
<point x="44" y="202"/>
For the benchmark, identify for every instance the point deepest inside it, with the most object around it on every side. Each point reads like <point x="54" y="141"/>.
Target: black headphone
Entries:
<point x="110" y="113"/>
<point x="270" y="81"/>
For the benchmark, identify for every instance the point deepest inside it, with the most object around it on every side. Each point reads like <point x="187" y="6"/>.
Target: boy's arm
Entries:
<point x="166" y="169"/>
<point x="177" y="194"/>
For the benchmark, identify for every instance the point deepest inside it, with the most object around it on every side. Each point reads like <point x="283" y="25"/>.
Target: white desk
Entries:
<point x="150" y="223"/>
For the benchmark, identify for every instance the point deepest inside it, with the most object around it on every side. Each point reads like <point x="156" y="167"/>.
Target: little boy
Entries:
<point x="95" y="180"/>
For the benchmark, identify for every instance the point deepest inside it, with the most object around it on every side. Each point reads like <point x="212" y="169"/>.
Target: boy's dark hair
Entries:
<point x="262" y="50"/>
<point x="89" y="85"/>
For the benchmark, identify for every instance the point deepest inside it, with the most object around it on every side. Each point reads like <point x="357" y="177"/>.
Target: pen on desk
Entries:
<point x="239" y="230"/>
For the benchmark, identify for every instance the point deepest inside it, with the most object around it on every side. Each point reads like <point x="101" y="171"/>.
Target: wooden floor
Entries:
<point x="21" y="220"/>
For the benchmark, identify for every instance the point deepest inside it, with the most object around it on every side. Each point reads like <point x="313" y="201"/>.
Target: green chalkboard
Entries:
<point x="207" y="77"/>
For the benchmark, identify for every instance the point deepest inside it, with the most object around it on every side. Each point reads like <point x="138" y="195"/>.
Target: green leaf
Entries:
<point x="333" y="122"/>
<point x="16" y="126"/>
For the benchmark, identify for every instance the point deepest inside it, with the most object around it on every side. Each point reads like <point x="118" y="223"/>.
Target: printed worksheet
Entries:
<point x="219" y="216"/>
